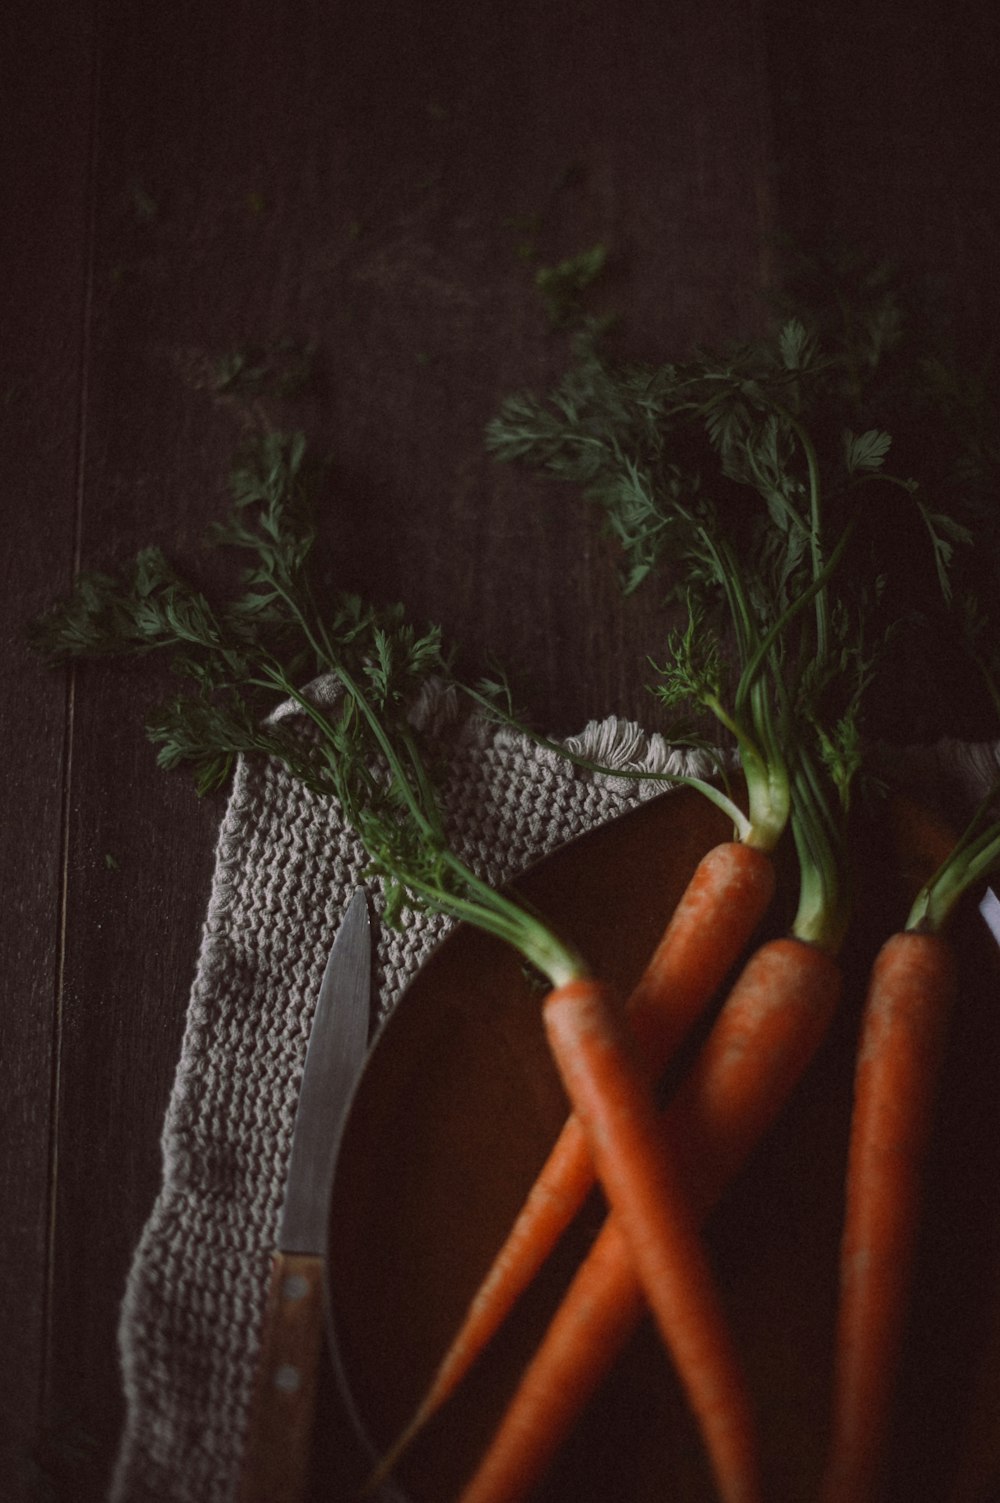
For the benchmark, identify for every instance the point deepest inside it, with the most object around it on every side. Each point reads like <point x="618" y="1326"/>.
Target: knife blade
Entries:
<point x="278" y="1442"/>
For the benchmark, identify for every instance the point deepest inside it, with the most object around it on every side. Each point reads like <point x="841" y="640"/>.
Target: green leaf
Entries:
<point x="562" y="286"/>
<point x="944" y="532"/>
<point x="794" y="344"/>
<point x="866" y="451"/>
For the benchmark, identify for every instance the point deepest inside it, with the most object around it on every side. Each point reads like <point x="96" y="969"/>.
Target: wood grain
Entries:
<point x="42" y="338"/>
<point x="279" y="1435"/>
<point x="181" y="182"/>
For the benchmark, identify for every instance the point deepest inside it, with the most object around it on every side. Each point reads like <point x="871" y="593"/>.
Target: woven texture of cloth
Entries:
<point x="285" y="869"/>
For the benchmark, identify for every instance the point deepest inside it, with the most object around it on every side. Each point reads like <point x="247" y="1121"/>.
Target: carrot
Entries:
<point x="602" y="1307"/>
<point x="760" y="1045"/>
<point x="731" y="889"/>
<point x="613" y="1100"/>
<point x="723" y="903"/>
<point x="910" y="995"/>
<point x="903" y="1032"/>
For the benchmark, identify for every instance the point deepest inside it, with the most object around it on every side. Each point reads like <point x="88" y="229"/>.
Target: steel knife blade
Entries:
<point x="278" y="1440"/>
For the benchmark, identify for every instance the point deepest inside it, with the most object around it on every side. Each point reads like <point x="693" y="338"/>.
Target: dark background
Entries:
<point x="185" y="182"/>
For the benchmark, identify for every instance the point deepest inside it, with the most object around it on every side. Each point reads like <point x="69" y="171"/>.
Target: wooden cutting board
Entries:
<point x="459" y="1104"/>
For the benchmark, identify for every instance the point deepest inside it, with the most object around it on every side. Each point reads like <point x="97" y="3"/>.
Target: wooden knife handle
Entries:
<point x="279" y="1437"/>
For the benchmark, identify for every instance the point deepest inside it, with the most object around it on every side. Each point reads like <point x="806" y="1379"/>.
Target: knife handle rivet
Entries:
<point x="287" y="1378"/>
<point x="295" y="1287"/>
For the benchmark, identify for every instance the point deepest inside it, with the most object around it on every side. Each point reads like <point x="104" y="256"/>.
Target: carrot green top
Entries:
<point x="240" y="656"/>
<point x="975" y="856"/>
<point x="753" y="483"/>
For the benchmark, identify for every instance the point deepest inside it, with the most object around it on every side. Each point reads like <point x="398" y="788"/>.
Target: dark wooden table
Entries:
<point x="186" y="183"/>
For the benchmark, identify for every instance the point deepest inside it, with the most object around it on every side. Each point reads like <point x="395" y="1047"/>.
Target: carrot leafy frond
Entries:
<point x="241" y="656"/>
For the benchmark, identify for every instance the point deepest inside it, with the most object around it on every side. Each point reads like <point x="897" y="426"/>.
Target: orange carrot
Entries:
<point x="599" y="1312"/>
<point x="725" y="900"/>
<point x="729" y="892"/>
<point x="759" y="1047"/>
<point x="613" y="1099"/>
<point x="911" y="991"/>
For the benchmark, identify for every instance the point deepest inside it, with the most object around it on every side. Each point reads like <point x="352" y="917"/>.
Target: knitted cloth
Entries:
<point x="285" y="869"/>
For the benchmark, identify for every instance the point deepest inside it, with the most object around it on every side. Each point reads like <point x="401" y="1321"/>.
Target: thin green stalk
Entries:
<point x="323" y="658"/>
<point x="730" y="577"/>
<point x="777" y="627"/>
<point x="974" y="857"/>
<point x="486" y="908"/>
<point x="815" y="530"/>
<point x="823" y="910"/>
<point x="710" y="791"/>
<point x="766" y="780"/>
<point x="770" y="801"/>
<point x="555" y="958"/>
<point x="427" y="822"/>
<point x="760" y="751"/>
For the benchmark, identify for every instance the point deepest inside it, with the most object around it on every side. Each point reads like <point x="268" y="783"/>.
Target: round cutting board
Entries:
<point x="459" y="1104"/>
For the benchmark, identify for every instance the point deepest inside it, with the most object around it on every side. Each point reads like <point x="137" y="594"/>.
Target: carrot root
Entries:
<point x="598" y="1315"/>
<point x="612" y="1098"/>
<point x="911" y="991"/>
<point x="731" y="889"/>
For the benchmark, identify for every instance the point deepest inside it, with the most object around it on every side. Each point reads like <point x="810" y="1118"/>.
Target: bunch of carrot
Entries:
<point x="762" y="1041"/>
<point x="661" y="1172"/>
<point x="804" y="635"/>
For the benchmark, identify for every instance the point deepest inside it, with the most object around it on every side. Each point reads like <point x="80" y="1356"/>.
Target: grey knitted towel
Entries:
<point x="285" y="867"/>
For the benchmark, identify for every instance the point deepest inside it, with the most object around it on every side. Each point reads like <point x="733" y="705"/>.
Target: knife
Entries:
<point x="279" y="1436"/>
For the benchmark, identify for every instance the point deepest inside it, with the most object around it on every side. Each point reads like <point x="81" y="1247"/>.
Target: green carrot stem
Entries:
<point x="485" y="907"/>
<point x="766" y="644"/>
<point x="556" y="960"/>
<point x="823" y="910"/>
<point x="815" y="529"/>
<point x="975" y="855"/>
<point x="710" y="791"/>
